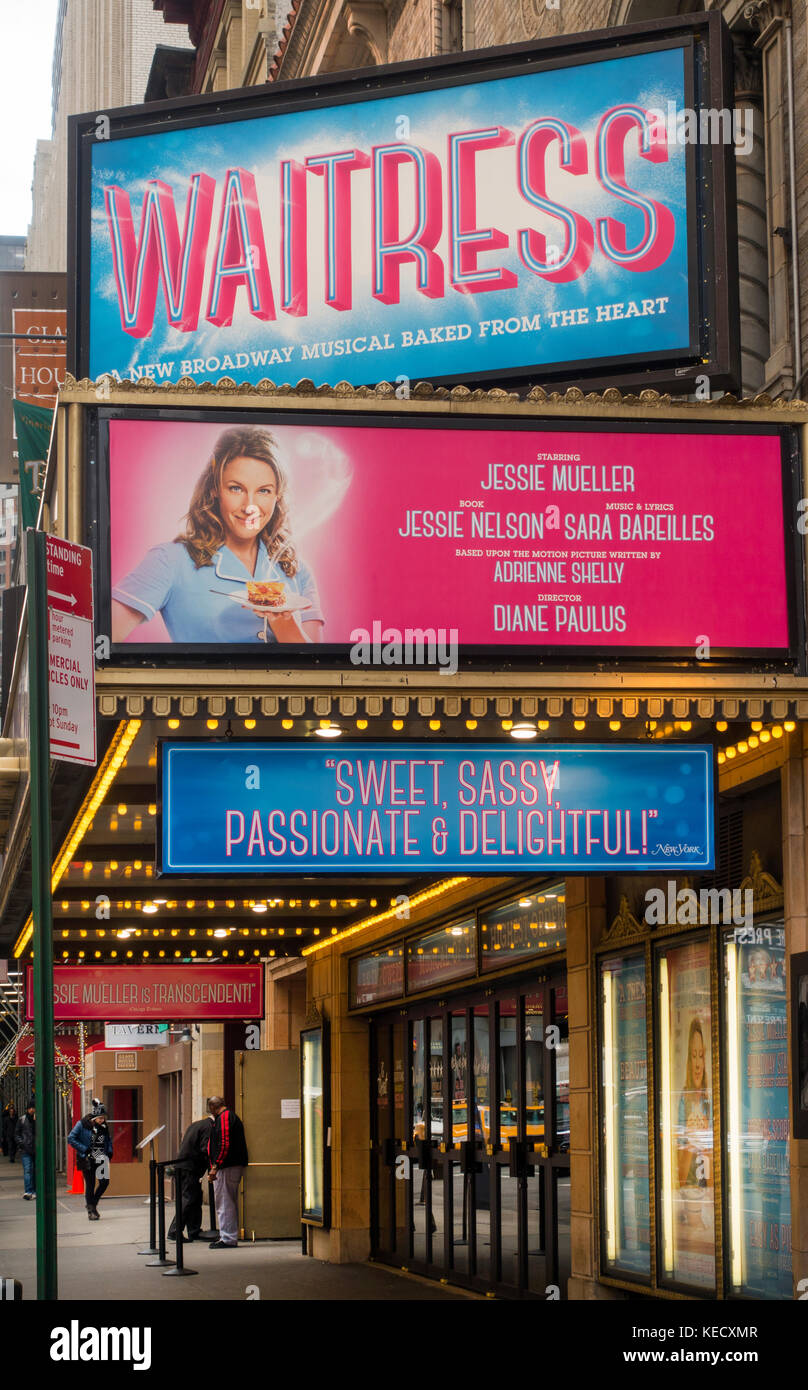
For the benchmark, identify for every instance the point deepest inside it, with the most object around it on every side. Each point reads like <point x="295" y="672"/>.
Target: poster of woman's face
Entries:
<point x="689" y="1081"/>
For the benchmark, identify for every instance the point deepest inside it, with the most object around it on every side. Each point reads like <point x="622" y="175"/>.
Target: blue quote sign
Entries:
<point x="249" y="808"/>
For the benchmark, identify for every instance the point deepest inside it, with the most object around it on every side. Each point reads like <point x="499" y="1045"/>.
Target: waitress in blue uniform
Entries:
<point x="237" y="528"/>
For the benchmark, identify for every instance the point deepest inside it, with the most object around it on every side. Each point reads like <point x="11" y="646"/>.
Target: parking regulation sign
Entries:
<point x="71" y="652"/>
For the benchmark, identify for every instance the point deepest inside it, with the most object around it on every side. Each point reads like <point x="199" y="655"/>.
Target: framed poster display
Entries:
<point x="686" y="1110"/>
<point x="315" y="1126"/>
<point x="624" y="1173"/>
<point x="758" y="1178"/>
<point x="799" y="1035"/>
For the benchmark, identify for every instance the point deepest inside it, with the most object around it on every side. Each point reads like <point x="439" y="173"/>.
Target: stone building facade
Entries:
<point x="240" y="44"/>
<point x="102" y="56"/>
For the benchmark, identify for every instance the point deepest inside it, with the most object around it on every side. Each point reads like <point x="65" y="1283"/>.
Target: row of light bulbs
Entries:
<point x="518" y="729"/>
<point x="758" y="736"/>
<point x="146" y="955"/>
<point x="156" y="932"/>
<point x="150" y="906"/>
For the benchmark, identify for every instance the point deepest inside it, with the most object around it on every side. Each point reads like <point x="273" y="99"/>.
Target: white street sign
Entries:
<point x="71" y="652"/>
<point x="135" y="1035"/>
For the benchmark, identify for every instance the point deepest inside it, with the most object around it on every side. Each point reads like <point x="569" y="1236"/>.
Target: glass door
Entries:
<point x="471" y="1139"/>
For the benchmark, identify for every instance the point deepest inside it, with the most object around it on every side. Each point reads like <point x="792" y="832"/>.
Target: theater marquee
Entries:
<point x="250" y="807"/>
<point x="525" y="213"/>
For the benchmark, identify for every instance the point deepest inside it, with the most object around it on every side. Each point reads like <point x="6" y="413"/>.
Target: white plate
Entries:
<point x="295" y="603"/>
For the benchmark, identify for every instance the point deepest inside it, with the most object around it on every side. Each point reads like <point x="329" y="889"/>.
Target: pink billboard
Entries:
<point x="528" y="536"/>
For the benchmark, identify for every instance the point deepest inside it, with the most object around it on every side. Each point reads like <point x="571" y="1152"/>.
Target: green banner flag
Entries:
<point x="33" y="426"/>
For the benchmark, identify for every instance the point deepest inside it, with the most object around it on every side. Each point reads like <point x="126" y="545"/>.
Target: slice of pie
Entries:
<point x="266" y="593"/>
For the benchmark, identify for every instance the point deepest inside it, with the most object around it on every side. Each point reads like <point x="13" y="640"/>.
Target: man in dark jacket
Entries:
<point x="25" y="1135"/>
<point x="10" y="1119"/>
<point x="227" y="1154"/>
<point x="193" y="1155"/>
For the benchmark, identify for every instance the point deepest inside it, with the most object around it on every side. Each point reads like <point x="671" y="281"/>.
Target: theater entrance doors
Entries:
<point x="470" y="1131"/>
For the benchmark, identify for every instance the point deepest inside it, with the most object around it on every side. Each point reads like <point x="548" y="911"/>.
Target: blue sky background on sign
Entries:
<point x="579" y="94"/>
<point x="421" y="807"/>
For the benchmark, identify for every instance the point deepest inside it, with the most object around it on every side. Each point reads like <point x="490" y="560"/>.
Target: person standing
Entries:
<point x="193" y="1156"/>
<point x="10" y="1118"/>
<point x="227" y="1155"/>
<point x="25" y="1136"/>
<point x="92" y="1141"/>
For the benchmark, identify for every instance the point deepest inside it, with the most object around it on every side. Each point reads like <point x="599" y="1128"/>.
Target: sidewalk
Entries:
<point x="99" y="1260"/>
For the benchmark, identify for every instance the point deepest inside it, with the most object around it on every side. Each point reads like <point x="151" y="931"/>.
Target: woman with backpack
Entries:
<point x="92" y="1141"/>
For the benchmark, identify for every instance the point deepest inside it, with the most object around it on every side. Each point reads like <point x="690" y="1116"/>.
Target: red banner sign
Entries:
<point x="68" y="1051"/>
<point x="180" y="993"/>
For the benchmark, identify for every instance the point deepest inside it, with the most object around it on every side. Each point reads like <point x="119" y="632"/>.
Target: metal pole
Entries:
<point x="42" y="942"/>
<point x="152" y="1248"/>
<point x="179" y="1218"/>
<point x="161" y="1220"/>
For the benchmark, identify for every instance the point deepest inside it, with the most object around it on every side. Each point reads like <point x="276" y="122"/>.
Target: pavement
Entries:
<point x="99" y="1260"/>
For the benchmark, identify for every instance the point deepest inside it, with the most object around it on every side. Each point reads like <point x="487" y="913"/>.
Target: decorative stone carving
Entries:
<point x="368" y="20"/>
<point x="625" y="924"/>
<point x="767" y="893"/>
<point x="531" y="13"/>
<point x="761" y="13"/>
<point x="748" y="70"/>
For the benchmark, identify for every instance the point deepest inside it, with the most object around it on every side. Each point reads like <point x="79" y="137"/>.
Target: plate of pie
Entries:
<point x="270" y="596"/>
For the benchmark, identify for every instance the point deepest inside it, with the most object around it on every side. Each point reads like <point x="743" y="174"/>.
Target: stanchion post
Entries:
<point x="149" y="1139"/>
<point x="179" y="1219"/>
<point x="152" y="1248"/>
<point x="161" y="1260"/>
<point x="214" y="1230"/>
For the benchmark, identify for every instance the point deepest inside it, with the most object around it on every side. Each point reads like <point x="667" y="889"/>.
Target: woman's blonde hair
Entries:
<point x="204" y="531"/>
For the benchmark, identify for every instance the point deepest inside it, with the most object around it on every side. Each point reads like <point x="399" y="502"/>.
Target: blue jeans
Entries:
<point x="28" y="1173"/>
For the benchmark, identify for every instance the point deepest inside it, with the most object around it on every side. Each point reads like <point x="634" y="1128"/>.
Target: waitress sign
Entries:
<point x="531" y="215"/>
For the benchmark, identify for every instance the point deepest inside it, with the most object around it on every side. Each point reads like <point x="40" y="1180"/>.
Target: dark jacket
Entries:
<point x="194" y="1146"/>
<point x="9" y="1125"/>
<point x="80" y="1138"/>
<point x="227" y="1147"/>
<point x="25" y="1134"/>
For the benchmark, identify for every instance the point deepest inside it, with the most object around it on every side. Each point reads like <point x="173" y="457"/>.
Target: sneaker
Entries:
<point x="26" y="1196"/>
<point x="93" y="1215"/>
<point x="223" y="1245"/>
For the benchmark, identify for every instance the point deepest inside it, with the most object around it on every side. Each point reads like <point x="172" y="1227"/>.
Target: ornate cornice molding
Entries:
<point x="145" y="692"/>
<point x="107" y="388"/>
